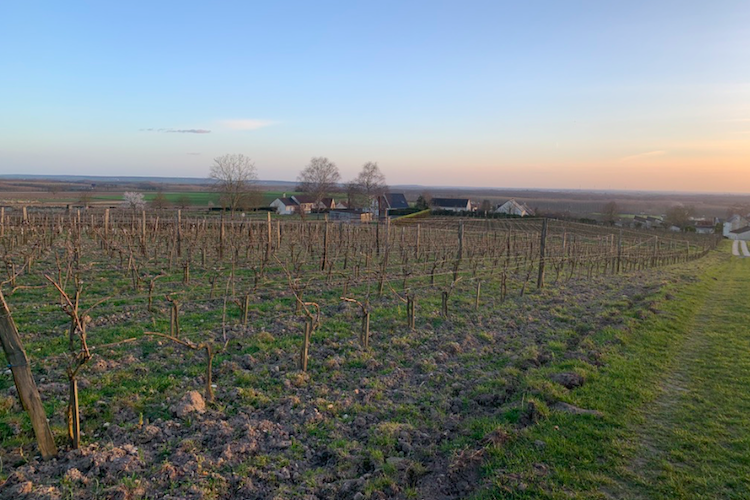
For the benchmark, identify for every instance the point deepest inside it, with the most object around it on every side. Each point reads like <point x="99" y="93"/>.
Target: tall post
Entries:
<point x="178" y="233"/>
<point x="2" y="221"/>
<point x="416" y="247"/>
<point x="619" y="252"/>
<point x="460" y="253"/>
<point x="270" y="238"/>
<point x="106" y="222"/>
<point x="27" y="390"/>
<point x="143" y="226"/>
<point x="542" y="254"/>
<point x="324" y="263"/>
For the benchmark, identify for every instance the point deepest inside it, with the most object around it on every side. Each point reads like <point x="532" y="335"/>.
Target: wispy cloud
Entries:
<point x="194" y="154"/>
<point x="246" y="124"/>
<point x="177" y="130"/>
<point x="642" y="156"/>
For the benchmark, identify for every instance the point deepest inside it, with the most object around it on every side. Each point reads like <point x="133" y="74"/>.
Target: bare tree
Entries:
<point x="319" y="178"/>
<point x="235" y="177"/>
<point x="160" y="200"/>
<point x="368" y="186"/>
<point x="679" y="215"/>
<point x="485" y="207"/>
<point x="610" y="212"/>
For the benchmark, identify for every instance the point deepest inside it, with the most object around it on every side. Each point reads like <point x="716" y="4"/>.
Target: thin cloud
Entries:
<point x="246" y="124"/>
<point x="194" y="154"/>
<point x="177" y="130"/>
<point x="641" y="156"/>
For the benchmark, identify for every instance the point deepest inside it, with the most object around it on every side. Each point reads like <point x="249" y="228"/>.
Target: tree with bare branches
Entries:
<point x="235" y="178"/>
<point x="319" y="178"/>
<point x="367" y="187"/>
<point x="610" y="212"/>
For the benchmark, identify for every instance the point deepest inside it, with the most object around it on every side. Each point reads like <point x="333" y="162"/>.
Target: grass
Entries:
<point x="675" y="393"/>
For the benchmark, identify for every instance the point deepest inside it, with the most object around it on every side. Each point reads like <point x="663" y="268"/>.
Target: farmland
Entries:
<point x="261" y="358"/>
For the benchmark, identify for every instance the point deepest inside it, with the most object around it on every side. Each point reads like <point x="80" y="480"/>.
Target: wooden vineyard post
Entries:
<point x="476" y="299"/>
<point x="106" y="222"/>
<point x="2" y="221"/>
<point x="619" y="252"/>
<point x="410" y="312"/>
<point x="542" y="256"/>
<point x="365" y="334"/>
<point x="444" y="305"/>
<point x="174" y="317"/>
<point x="460" y="254"/>
<point x="324" y="262"/>
<point x="306" y="345"/>
<point x="178" y="233"/>
<point x="270" y="238"/>
<point x="416" y="246"/>
<point x="27" y="390"/>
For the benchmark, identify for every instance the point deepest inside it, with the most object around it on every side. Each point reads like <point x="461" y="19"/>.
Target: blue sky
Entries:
<point x="625" y="95"/>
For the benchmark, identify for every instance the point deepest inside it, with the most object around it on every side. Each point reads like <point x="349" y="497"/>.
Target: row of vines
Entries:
<point x="87" y="266"/>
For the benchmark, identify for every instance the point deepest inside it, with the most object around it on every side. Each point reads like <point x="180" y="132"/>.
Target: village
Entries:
<point x="387" y="205"/>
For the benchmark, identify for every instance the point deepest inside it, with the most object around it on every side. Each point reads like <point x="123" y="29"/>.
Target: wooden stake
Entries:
<point x="542" y="256"/>
<point x="27" y="390"/>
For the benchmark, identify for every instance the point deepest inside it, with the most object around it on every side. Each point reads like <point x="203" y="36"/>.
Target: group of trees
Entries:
<point x="236" y="177"/>
<point x="321" y="177"/>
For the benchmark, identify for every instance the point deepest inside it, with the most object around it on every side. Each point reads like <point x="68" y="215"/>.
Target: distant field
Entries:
<point x="193" y="198"/>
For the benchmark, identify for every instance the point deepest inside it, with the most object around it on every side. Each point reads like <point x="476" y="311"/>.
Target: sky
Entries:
<point x="643" y="95"/>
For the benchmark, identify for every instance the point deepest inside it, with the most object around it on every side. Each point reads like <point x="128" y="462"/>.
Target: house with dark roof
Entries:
<point x="389" y="201"/>
<point x="451" y="204"/>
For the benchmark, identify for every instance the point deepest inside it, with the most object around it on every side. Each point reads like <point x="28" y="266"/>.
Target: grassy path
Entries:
<point x="674" y="395"/>
<point x="695" y="441"/>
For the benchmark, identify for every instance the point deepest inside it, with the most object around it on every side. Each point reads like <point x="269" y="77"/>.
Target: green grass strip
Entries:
<point x="675" y="394"/>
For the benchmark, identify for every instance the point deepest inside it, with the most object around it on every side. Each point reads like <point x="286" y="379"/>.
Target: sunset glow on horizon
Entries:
<point x="587" y="95"/>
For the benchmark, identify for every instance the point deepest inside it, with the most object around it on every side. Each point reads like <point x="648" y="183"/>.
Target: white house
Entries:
<point x="742" y="233"/>
<point x="512" y="207"/>
<point x="285" y="206"/>
<point x="734" y="222"/>
<point x="451" y="204"/>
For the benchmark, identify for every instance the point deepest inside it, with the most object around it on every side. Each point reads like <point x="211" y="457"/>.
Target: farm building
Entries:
<point x="647" y="222"/>
<point x="734" y="222"/>
<point x="349" y="214"/>
<point x="512" y="207"/>
<point x="451" y="204"/>
<point x="742" y="233"/>
<point x="705" y="226"/>
<point x="293" y="204"/>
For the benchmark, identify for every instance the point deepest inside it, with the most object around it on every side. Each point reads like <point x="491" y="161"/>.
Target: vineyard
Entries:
<point x="196" y="356"/>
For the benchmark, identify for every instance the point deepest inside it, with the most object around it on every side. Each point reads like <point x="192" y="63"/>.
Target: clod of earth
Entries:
<point x="192" y="402"/>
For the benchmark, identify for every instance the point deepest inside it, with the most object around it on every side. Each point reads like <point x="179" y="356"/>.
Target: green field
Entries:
<point x="675" y="401"/>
